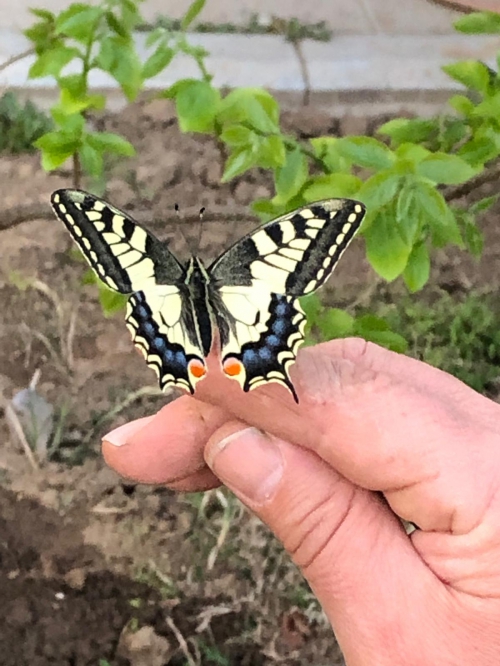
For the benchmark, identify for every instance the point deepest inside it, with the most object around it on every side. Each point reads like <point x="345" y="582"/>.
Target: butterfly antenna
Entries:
<point x="200" y="229"/>
<point x="186" y="238"/>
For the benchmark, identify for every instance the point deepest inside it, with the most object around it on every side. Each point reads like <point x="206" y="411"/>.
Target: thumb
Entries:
<point x="348" y="544"/>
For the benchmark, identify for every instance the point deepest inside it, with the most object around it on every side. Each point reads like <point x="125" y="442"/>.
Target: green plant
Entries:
<point x="458" y="335"/>
<point x="20" y="124"/>
<point x="84" y="38"/>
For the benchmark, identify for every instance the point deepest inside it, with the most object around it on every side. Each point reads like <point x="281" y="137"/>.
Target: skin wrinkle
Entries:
<point x="315" y="556"/>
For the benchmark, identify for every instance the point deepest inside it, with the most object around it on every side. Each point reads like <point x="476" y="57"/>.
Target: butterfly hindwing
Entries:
<point x="123" y="254"/>
<point x="255" y="354"/>
<point x="157" y="329"/>
<point x="288" y="257"/>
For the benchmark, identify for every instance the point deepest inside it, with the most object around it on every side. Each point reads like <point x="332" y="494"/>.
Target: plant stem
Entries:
<point x="297" y="47"/>
<point x="77" y="171"/>
<point x="489" y="175"/>
<point x="16" y="58"/>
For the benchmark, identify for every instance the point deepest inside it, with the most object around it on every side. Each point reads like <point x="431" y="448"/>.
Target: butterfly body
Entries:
<point x="249" y="294"/>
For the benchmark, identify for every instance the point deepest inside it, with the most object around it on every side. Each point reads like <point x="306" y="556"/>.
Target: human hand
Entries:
<point x="368" y="420"/>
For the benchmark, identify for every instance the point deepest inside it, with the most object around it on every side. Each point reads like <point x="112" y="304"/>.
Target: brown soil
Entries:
<point x="95" y="572"/>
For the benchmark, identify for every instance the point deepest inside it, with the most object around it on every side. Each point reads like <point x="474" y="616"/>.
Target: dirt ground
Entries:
<point x="95" y="572"/>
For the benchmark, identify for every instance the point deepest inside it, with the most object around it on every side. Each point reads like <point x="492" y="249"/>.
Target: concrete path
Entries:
<point x="340" y="71"/>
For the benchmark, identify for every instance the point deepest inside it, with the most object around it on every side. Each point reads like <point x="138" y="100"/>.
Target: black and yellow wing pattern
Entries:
<point x="250" y="292"/>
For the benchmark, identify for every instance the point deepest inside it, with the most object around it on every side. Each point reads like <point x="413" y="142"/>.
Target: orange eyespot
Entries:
<point x="197" y="369"/>
<point x="232" y="367"/>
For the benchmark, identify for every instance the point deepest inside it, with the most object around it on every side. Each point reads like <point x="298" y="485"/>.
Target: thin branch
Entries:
<point x="304" y="71"/>
<point x="182" y="642"/>
<point x="13" y="420"/>
<point x="11" y="217"/>
<point x="489" y="175"/>
<point x="16" y="58"/>
<point x="77" y="171"/>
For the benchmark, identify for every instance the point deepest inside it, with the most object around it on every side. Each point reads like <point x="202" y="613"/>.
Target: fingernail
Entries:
<point x="122" y="435"/>
<point x="249" y="462"/>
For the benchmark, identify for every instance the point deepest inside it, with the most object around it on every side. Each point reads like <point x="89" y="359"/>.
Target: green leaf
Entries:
<point x="479" y="23"/>
<point x="157" y="61"/>
<point x="197" y="103"/>
<point x="111" y="143"/>
<point x="462" y="104"/>
<point x="130" y="15"/>
<point x="478" y="150"/>
<point x="192" y="12"/>
<point x="332" y="185"/>
<point x="238" y="162"/>
<point x="74" y="83"/>
<point x="56" y="147"/>
<point x="119" y="57"/>
<point x="472" y="74"/>
<point x="489" y="107"/>
<point x="237" y="135"/>
<point x="52" y="62"/>
<point x="313" y="307"/>
<point x="116" y="25"/>
<point x="408" y="214"/>
<point x="417" y="271"/>
<point x="484" y="204"/>
<point x="335" y="323"/>
<point x="69" y="104"/>
<point x="385" y="249"/>
<point x="379" y="190"/>
<point x="78" y="21"/>
<point x="412" y="153"/>
<point x="473" y="237"/>
<point x="415" y="130"/>
<point x="445" y="169"/>
<point x="252" y="106"/>
<point x="111" y="301"/>
<point x="69" y="124"/>
<point x="366" y="152"/>
<point x="434" y="210"/>
<point x="266" y="209"/>
<point x="290" y="178"/>
<point x="327" y="150"/>
<point x="270" y="153"/>
<point x="374" y="329"/>
<point x="42" y="13"/>
<point x="91" y="160"/>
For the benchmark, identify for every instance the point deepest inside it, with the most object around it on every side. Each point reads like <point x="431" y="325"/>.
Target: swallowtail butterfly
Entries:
<point x="249" y="293"/>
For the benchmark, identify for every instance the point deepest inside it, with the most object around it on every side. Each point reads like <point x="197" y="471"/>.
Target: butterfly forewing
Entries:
<point x="294" y="254"/>
<point x="124" y="255"/>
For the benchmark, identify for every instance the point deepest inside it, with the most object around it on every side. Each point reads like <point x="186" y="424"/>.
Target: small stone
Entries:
<point x="310" y="122"/>
<point x="144" y="647"/>
<point x="352" y="125"/>
<point x="244" y="192"/>
<point x="75" y="578"/>
<point x="213" y="173"/>
<point x="160" y="110"/>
